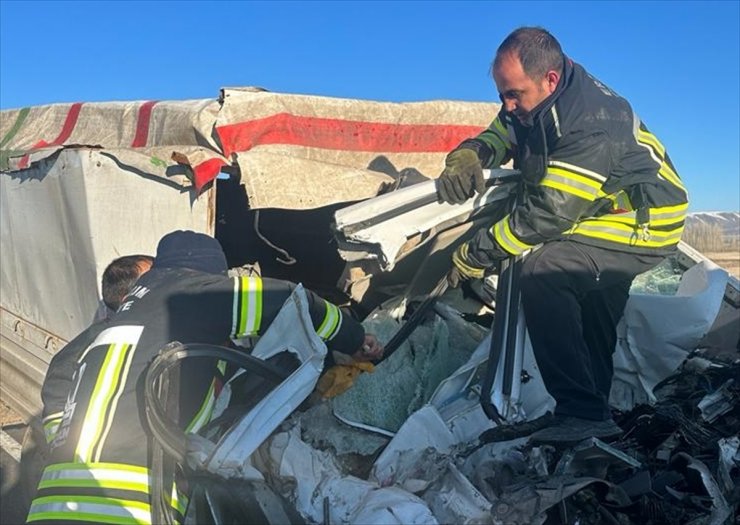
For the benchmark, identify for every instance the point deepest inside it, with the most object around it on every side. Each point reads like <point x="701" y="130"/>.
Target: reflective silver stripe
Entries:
<point x="506" y="238"/>
<point x="247" y="306"/>
<point x="127" y="334"/>
<point x="338" y="326"/>
<point x="179" y="500"/>
<point x="577" y="170"/>
<point x="101" y="408"/>
<point x="254" y="313"/>
<point x="648" y="139"/>
<point x="93" y="508"/>
<point x="636" y="131"/>
<point x="118" y="392"/>
<point x="103" y="475"/>
<point x="626" y="234"/>
<point x="556" y="120"/>
<point x="235" y="308"/>
<point x="331" y="321"/>
<point x="671" y="176"/>
<point x="574" y="184"/>
<point x="51" y="426"/>
<point x="668" y="213"/>
<point x="665" y="216"/>
<point x="55" y="415"/>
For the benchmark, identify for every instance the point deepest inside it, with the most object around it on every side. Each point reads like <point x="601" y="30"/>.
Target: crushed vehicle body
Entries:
<point x="338" y="195"/>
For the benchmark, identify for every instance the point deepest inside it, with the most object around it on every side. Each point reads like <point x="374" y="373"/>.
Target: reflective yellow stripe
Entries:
<point x="569" y="168"/>
<point x="506" y="238"/>
<point x="99" y="509"/>
<point x="620" y="201"/>
<point x="104" y="398"/>
<point x="247" y="315"/>
<point x="51" y="426"/>
<point x="569" y="188"/>
<point x="648" y="139"/>
<point x="179" y="500"/>
<point x="624" y="234"/>
<point x="90" y="508"/>
<point x="204" y="412"/>
<point x="664" y="216"/>
<point x="328" y="327"/>
<point x="569" y="178"/>
<point x="96" y="475"/>
<point x="657" y="152"/>
<point x="101" y="465"/>
<point x="677" y="211"/>
<point x="460" y="259"/>
<point x="631" y="219"/>
<point x="671" y="176"/>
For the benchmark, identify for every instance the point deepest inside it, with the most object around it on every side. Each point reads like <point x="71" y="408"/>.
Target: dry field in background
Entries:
<point x="730" y="261"/>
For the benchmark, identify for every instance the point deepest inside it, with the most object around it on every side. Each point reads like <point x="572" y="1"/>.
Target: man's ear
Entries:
<point x="552" y="77"/>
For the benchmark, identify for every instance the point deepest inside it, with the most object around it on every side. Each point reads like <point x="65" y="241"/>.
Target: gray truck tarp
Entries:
<point x="84" y="183"/>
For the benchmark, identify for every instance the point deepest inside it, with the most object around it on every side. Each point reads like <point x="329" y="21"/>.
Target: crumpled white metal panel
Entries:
<point x="292" y="330"/>
<point x="378" y="228"/>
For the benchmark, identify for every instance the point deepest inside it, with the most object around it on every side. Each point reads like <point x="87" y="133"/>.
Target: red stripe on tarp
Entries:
<point x="349" y="135"/>
<point x="142" y="124"/>
<point x="205" y="172"/>
<point x="69" y="125"/>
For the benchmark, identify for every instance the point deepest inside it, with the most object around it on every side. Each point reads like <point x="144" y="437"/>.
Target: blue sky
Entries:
<point x="677" y="62"/>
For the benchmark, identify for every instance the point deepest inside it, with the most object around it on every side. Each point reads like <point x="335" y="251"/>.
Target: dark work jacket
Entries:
<point x="58" y="378"/>
<point x="591" y="172"/>
<point x="103" y="432"/>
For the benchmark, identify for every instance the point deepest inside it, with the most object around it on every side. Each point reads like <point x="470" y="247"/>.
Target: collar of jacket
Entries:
<point x="565" y="80"/>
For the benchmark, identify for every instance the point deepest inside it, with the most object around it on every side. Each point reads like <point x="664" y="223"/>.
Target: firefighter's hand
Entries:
<point x="462" y="269"/>
<point x="371" y="349"/>
<point x="462" y="176"/>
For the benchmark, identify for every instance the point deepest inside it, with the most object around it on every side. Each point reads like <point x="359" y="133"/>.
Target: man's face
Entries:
<point x="520" y="93"/>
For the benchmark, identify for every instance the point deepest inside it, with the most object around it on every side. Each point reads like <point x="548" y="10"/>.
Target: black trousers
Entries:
<point x="573" y="296"/>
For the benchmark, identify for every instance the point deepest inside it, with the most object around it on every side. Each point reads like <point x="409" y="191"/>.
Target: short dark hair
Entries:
<point x="537" y="50"/>
<point x="120" y="276"/>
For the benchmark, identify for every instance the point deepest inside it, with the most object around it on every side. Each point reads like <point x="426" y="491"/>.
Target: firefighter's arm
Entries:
<point x="575" y="173"/>
<point x="463" y="172"/>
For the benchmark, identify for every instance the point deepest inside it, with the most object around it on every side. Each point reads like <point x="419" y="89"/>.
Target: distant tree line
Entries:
<point x="710" y="238"/>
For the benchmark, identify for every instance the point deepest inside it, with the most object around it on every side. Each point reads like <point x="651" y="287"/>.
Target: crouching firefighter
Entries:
<point x="599" y="196"/>
<point x="100" y="466"/>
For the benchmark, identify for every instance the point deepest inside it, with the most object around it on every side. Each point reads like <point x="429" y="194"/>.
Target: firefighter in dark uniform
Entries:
<point x="600" y="202"/>
<point x="99" y="470"/>
<point x="118" y="278"/>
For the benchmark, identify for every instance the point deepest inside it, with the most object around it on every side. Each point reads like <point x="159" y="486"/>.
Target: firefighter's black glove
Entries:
<point x="462" y="175"/>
